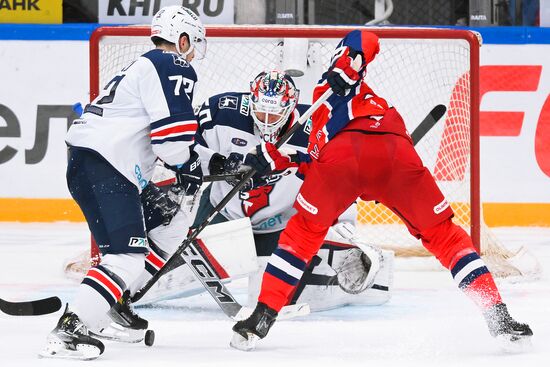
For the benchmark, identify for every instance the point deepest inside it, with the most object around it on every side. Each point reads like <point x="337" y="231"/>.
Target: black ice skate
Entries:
<point x="512" y="335"/>
<point x="70" y="340"/>
<point x="256" y="326"/>
<point x="126" y="326"/>
<point x="123" y="314"/>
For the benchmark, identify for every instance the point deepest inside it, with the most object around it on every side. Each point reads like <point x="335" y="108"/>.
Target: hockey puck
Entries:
<point x="149" y="339"/>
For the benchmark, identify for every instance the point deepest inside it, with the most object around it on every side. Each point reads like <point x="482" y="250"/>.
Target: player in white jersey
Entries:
<point x="230" y="125"/>
<point x="142" y="114"/>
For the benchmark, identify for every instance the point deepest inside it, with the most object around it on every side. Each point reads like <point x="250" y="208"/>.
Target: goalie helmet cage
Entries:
<point x="416" y="70"/>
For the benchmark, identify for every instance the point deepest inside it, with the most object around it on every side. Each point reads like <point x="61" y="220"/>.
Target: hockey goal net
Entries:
<point x="416" y="70"/>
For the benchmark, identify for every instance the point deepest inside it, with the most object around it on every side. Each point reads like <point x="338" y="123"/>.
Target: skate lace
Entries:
<point x="129" y="307"/>
<point x="73" y="325"/>
<point x="80" y="326"/>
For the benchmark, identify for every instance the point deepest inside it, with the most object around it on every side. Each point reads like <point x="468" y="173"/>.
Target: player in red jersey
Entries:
<point x="359" y="147"/>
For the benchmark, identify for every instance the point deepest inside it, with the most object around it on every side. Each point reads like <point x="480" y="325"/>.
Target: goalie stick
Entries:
<point x="198" y="263"/>
<point x="419" y="132"/>
<point x="31" y="308"/>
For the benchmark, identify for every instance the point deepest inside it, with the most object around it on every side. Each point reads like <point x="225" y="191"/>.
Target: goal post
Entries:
<point x="416" y="70"/>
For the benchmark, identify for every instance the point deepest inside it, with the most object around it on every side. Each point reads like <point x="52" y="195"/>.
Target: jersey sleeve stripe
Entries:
<point x="188" y="116"/>
<point x="174" y="138"/>
<point x="175" y="128"/>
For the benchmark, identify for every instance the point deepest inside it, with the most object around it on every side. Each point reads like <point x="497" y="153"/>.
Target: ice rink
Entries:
<point x="428" y="322"/>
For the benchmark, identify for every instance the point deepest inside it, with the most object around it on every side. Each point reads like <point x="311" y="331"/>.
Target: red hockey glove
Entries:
<point x="266" y="158"/>
<point x="344" y="72"/>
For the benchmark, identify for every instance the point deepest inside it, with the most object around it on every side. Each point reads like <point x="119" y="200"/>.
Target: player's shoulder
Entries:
<point x="230" y="103"/>
<point x="232" y="109"/>
<point x="301" y="136"/>
<point x="170" y="63"/>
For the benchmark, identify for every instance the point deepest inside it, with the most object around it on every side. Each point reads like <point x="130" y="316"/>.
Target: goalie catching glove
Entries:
<point x="266" y="159"/>
<point x="356" y="270"/>
<point x="345" y="70"/>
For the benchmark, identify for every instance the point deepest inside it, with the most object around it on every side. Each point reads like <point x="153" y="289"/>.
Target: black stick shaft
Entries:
<point x="429" y="121"/>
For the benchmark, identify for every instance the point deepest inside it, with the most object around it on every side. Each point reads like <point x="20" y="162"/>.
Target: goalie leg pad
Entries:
<point x="321" y="290"/>
<point x="230" y="248"/>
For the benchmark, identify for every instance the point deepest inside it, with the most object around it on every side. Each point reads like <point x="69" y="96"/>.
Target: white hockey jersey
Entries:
<point x="143" y="113"/>
<point x="225" y="126"/>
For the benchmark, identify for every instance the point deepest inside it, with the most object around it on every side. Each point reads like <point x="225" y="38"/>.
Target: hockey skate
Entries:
<point x="125" y="325"/>
<point x="247" y="332"/>
<point x="513" y="336"/>
<point x="70" y="340"/>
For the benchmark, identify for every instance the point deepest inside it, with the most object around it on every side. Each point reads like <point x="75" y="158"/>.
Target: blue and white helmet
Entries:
<point x="171" y="21"/>
<point x="273" y="97"/>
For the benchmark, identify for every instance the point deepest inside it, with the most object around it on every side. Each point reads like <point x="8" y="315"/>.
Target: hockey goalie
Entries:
<point x="345" y="271"/>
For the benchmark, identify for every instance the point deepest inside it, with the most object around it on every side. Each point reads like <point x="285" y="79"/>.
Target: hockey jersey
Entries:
<point x="225" y="126"/>
<point x="143" y="113"/>
<point x="361" y="109"/>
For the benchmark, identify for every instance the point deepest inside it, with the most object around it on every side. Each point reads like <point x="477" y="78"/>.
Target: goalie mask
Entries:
<point x="273" y="97"/>
<point x="171" y="22"/>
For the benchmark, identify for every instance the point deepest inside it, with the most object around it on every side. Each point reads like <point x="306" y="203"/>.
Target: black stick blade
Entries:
<point x="31" y="308"/>
<point x="429" y="121"/>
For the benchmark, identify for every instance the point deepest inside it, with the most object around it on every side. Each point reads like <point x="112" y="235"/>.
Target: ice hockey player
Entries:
<point x="359" y="147"/>
<point x="229" y="125"/>
<point x="143" y="113"/>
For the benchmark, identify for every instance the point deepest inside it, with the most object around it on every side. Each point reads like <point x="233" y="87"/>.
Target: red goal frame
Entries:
<point x="339" y="32"/>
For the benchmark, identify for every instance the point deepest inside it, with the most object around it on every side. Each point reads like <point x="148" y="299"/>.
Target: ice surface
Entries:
<point x="428" y="322"/>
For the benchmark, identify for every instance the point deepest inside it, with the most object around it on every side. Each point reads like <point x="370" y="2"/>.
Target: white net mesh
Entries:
<point x="413" y="74"/>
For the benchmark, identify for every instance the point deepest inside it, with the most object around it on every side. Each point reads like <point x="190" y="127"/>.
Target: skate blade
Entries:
<point x="115" y="332"/>
<point x="55" y="348"/>
<point x="241" y="343"/>
<point x="286" y="313"/>
<point x="514" y="344"/>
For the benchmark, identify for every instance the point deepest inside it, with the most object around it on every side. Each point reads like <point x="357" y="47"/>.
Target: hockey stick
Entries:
<point x="419" y="132"/>
<point x="429" y="121"/>
<point x="223" y="177"/>
<point x="190" y="253"/>
<point x="31" y="308"/>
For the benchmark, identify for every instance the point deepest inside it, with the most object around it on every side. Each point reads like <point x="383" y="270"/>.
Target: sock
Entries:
<point x="300" y="240"/>
<point x="99" y="290"/>
<point x="454" y="249"/>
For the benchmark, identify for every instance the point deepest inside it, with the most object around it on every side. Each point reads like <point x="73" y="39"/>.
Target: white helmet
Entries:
<point x="171" y="21"/>
<point x="272" y="93"/>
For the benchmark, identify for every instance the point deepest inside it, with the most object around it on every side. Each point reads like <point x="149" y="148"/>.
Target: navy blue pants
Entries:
<point x="109" y="201"/>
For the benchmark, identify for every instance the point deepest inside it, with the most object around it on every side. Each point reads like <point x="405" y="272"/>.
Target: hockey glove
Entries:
<point x="220" y="164"/>
<point x="158" y="207"/>
<point x="266" y="158"/>
<point x="231" y="164"/>
<point x="344" y="72"/>
<point x="189" y="174"/>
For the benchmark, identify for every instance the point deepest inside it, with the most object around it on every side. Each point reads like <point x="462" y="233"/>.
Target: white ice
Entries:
<point x="428" y="322"/>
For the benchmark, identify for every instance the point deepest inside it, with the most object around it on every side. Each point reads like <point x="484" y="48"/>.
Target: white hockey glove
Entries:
<point x="357" y="269"/>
